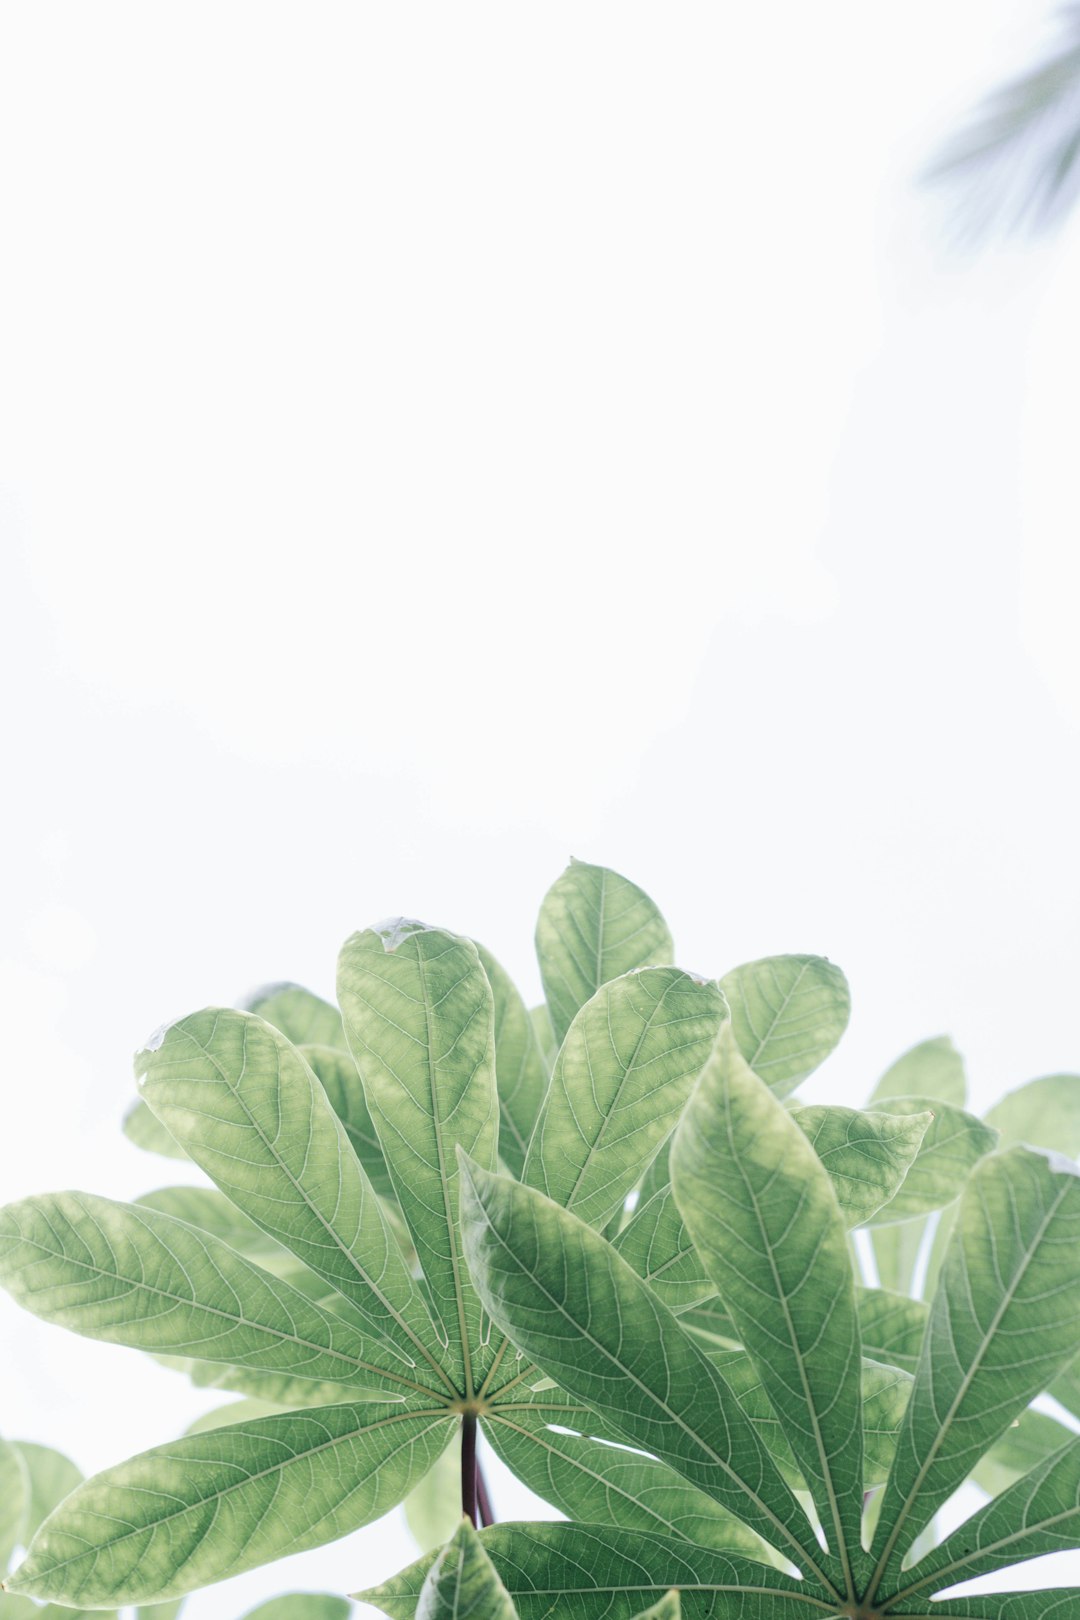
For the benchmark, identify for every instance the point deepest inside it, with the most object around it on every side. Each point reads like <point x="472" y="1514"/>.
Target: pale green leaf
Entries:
<point x="762" y="1210"/>
<point x="433" y="1506"/>
<point x="668" y="1607"/>
<point x="954" y="1143"/>
<point x="867" y="1155"/>
<point x="1043" y="1113"/>
<point x="520" y="1070"/>
<point x="896" y="1253"/>
<point x="20" y="1608"/>
<point x="132" y="1276"/>
<point x="147" y="1132"/>
<point x="419" y="1016"/>
<point x="656" y="1243"/>
<point x="150" y="1611"/>
<point x="251" y="1113"/>
<point x="787" y="1015"/>
<point x="588" y="1477"/>
<point x="595" y="1572"/>
<point x="278" y="1389"/>
<point x="302" y="1606"/>
<point x="583" y="1315"/>
<point x="892" y="1326"/>
<point x="212" y="1212"/>
<point x="14" y="1501"/>
<point x="594" y="925"/>
<point x="540" y="1019"/>
<point x="211" y="1505"/>
<point x="340" y="1079"/>
<point x="50" y="1477"/>
<point x="242" y="1411"/>
<point x="933" y="1068"/>
<point x="462" y="1583"/>
<point x="302" y="1017"/>
<point x="620" y="1081"/>
<point x="1026" y="1444"/>
<point x="1005" y="1320"/>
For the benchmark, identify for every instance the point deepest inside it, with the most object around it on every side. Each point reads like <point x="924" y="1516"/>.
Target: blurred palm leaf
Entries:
<point x="1018" y="159"/>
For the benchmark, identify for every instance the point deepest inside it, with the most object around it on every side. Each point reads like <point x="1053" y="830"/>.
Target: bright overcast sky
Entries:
<point x="438" y="440"/>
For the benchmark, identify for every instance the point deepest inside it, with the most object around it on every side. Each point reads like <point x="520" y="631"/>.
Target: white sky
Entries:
<point x="436" y="440"/>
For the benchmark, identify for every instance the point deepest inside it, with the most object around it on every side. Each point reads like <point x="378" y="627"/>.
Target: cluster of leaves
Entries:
<point x="603" y="1234"/>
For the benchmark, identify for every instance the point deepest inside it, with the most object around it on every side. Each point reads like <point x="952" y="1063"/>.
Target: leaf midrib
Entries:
<point x="275" y="1468"/>
<point x="780" y="1294"/>
<point x="239" y="1321"/>
<point x="337" y="1241"/>
<point x="767" y="1512"/>
<point x="965" y="1384"/>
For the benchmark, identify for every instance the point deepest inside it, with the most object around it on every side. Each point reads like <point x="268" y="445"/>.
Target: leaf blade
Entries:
<point x="1012" y="1268"/>
<point x="594" y="925"/>
<point x="620" y="1081"/>
<point x="759" y="1204"/>
<point x="419" y="1017"/>
<point x="248" y="1109"/>
<point x="583" y="1315"/>
<point x="787" y="1015"/>
<point x="211" y="1505"/>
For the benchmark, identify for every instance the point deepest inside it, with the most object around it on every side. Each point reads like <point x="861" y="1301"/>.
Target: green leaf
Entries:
<point x="594" y="926"/>
<point x="544" y="1034"/>
<point x="278" y="1389"/>
<point x="419" y="1016"/>
<point x="952" y="1146"/>
<point x="20" y="1608"/>
<point x="591" y="1476"/>
<point x="302" y="1017"/>
<point x="1004" y="1321"/>
<point x="620" y="1081"/>
<point x="151" y="1611"/>
<point x="660" y="1249"/>
<point x="132" y="1276"/>
<point x="867" y="1155"/>
<point x="656" y="1243"/>
<point x="433" y="1506"/>
<point x="302" y="1606"/>
<point x="787" y="1015"/>
<point x="1043" y="1113"/>
<point x="933" y="1068"/>
<point x="896" y="1253"/>
<point x="884" y="1394"/>
<point x="892" y="1327"/>
<point x="1039" y="1514"/>
<point x="560" y="1291"/>
<point x="760" y="1206"/>
<point x="212" y="1212"/>
<point x="601" y="1573"/>
<point x="234" y="1412"/>
<point x="462" y="1584"/>
<point x="668" y="1608"/>
<point x="1025" y="1444"/>
<point x="211" y="1505"/>
<point x="520" y="1071"/>
<point x="50" y="1477"/>
<point x="141" y="1127"/>
<point x="250" y="1112"/>
<point x="1048" y="1604"/>
<point x="340" y="1079"/>
<point x="14" y="1501"/>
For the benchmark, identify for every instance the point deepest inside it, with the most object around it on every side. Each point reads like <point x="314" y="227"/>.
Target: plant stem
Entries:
<point x="483" y="1500"/>
<point x="468" y="1469"/>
